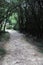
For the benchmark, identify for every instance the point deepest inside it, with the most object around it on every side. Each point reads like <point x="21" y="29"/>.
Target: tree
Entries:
<point x="6" y="10"/>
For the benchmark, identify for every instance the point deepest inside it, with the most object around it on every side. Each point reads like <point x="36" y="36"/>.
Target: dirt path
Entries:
<point x="21" y="52"/>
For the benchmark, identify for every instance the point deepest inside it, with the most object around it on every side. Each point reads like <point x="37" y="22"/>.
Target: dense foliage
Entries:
<point x="30" y="15"/>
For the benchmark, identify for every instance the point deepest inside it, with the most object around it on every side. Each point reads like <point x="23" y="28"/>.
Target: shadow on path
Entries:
<point x="38" y="42"/>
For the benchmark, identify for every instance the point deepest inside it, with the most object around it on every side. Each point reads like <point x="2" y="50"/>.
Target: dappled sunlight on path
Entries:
<point x="21" y="52"/>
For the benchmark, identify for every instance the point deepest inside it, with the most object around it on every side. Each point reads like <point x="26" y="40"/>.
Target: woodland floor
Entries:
<point x="19" y="51"/>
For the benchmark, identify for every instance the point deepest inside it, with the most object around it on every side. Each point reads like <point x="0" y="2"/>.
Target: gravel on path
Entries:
<point x="21" y="52"/>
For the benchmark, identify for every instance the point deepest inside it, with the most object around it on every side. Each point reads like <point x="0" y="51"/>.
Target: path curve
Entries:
<point x="21" y="52"/>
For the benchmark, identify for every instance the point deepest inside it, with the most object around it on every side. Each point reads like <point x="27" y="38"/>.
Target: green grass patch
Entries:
<point x="40" y="50"/>
<point x="4" y="36"/>
<point x="2" y="52"/>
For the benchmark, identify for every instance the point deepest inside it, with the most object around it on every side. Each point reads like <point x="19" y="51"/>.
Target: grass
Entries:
<point x="2" y="52"/>
<point x="4" y="36"/>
